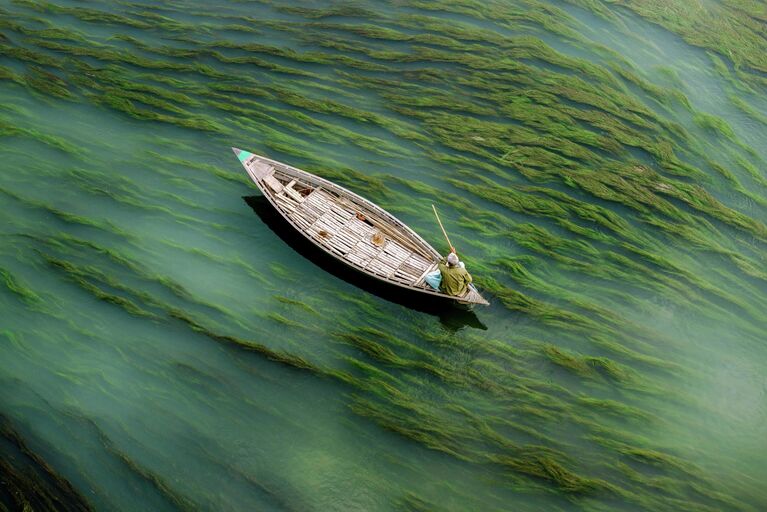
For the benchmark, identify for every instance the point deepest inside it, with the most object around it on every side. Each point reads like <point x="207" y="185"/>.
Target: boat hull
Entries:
<point x="350" y="229"/>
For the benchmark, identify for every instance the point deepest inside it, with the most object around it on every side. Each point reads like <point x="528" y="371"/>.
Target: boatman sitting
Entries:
<point x="455" y="277"/>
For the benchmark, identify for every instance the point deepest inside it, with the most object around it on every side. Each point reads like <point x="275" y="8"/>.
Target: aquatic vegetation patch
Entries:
<point x="47" y="83"/>
<point x="80" y="277"/>
<point x="614" y="408"/>
<point x="13" y="285"/>
<point x="9" y="129"/>
<point x="715" y="124"/>
<point x="730" y="29"/>
<point x="297" y="303"/>
<point x="29" y="481"/>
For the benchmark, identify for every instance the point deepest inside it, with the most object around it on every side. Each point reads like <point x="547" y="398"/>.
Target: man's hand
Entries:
<point x="452" y="249"/>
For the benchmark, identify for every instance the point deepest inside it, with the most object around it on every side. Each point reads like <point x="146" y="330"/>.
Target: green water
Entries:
<point x="161" y="348"/>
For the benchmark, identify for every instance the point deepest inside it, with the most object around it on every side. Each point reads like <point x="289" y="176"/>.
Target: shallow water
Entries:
<point x="163" y="348"/>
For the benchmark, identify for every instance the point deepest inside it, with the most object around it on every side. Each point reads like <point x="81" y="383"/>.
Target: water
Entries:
<point x="162" y="348"/>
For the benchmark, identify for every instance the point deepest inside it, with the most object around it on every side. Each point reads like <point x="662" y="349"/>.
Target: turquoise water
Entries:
<point x="162" y="348"/>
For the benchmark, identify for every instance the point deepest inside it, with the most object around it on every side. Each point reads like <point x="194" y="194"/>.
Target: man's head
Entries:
<point x="452" y="259"/>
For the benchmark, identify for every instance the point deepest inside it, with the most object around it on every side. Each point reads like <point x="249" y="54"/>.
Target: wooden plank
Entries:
<point x="261" y="170"/>
<point x="420" y="279"/>
<point x="417" y="262"/>
<point x="273" y="184"/>
<point x="405" y="270"/>
<point x="339" y="251"/>
<point x="349" y="240"/>
<point x="409" y="271"/>
<point x="290" y="207"/>
<point x="342" y="248"/>
<point x="382" y="264"/>
<point x="302" y="222"/>
<point x="324" y="194"/>
<point x="407" y="275"/>
<point x="359" y="227"/>
<point x="342" y="212"/>
<point x="310" y="216"/>
<point x="319" y="205"/>
<point x="365" y="248"/>
<point x="330" y="222"/>
<point x="396" y="249"/>
<point x="339" y="217"/>
<point x="339" y="247"/>
<point x="387" y="271"/>
<point x="348" y="236"/>
<point x="295" y="195"/>
<point x="351" y="233"/>
<point x="388" y="259"/>
<point x="357" y="258"/>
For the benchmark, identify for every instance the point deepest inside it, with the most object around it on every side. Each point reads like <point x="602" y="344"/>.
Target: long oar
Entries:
<point x="442" y="227"/>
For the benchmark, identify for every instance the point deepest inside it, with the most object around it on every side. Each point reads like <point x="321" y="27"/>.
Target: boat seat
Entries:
<point x="293" y="193"/>
<point x="261" y="170"/>
<point x="273" y="184"/>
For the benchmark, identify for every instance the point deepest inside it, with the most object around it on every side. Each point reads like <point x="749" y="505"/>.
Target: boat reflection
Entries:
<point x="452" y="315"/>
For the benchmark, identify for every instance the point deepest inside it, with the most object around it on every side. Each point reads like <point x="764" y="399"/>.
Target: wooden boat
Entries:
<point x="348" y="227"/>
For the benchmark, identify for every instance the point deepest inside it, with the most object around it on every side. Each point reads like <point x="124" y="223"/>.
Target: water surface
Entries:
<point x="163" y="348"/>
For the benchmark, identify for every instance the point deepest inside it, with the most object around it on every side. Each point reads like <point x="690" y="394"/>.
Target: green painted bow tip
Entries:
<point x="242" y="155"/>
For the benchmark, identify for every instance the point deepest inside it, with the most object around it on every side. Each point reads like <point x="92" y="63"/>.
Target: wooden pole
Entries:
<point x="442" y="227"/>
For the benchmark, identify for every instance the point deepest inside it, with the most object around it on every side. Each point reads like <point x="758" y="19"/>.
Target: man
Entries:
<point x="455" y="278"/>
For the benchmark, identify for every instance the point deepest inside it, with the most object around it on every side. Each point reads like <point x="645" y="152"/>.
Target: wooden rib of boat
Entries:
<point x="348" y="227"/>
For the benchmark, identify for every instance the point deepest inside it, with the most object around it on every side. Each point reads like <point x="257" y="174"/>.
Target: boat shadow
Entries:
<point x="451" y="315"/>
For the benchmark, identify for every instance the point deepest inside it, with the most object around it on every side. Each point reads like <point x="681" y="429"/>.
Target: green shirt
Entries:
<point x="455" y="280"/>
